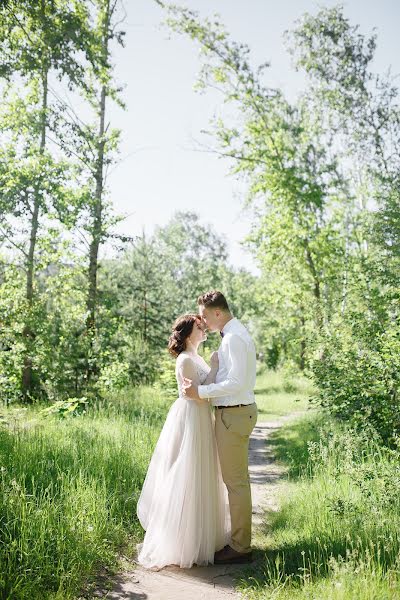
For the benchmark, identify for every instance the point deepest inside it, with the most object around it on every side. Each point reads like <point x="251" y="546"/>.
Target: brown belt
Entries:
<point x="235" y="405"/>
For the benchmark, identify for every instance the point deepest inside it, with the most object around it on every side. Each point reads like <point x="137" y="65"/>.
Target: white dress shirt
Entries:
<point x="236" y="376"/>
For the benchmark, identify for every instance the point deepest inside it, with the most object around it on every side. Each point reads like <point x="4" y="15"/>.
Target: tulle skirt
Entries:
<point x="183" y="505"/>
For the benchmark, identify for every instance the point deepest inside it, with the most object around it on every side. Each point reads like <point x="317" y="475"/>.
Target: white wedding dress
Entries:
<point x="183" y="505"/>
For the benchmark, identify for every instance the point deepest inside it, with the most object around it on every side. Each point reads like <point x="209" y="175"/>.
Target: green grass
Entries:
<point x="279" y="394"/>
<point x="69" y="487"/>
<point x="290" y="444"/>
<point x="68" y="492"/>
<point x="337" y="534"/>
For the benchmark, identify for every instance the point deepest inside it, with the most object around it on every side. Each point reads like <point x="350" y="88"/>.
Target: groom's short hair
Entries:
<point x="213" y="299"/>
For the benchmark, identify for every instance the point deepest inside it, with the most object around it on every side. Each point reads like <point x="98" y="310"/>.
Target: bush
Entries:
<point x="358" y="377"/>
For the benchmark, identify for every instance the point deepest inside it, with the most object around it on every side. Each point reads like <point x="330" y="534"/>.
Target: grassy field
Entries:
<point x="69" y="487"/>
<point x="68" y="492"/>
<point x="278" y="394"/>
<point x="337" y="534"/>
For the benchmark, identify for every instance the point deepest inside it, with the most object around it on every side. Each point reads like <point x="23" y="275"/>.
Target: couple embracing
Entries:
<point x="195" y="504"/>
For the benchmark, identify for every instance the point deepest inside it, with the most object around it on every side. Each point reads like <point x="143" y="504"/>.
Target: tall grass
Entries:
<point x="337" y="535"/>
<point x="68" y="492"/>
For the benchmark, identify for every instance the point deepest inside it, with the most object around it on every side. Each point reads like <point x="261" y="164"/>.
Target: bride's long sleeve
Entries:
<point x="187" y="370"/>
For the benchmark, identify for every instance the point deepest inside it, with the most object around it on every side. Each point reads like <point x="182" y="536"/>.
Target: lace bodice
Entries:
<point x="201" y="368"/>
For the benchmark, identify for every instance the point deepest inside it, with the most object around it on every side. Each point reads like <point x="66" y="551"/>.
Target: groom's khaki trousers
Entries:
<point x="233" y="427"/>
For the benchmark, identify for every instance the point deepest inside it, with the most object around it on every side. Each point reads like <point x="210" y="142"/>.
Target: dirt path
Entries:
<point x="212" y="582"/>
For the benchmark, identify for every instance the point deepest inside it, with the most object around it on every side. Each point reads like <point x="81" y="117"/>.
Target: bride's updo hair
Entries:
<point x="181" y="330"/>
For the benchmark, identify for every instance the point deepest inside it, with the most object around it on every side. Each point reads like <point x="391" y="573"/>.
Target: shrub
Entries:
<point x="358" y="377"/>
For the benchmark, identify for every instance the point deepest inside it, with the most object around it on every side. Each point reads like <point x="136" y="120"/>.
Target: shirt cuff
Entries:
<point x="203" y="391"/>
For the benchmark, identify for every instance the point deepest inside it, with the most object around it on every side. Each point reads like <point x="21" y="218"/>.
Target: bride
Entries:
<point x="183" y="505"/>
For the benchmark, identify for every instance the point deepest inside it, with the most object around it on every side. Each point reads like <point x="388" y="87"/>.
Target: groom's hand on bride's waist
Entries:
<point x="190" y="390"/>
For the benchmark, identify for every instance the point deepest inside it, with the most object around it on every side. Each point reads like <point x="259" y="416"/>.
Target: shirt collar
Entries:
<point x="229" y="325"/>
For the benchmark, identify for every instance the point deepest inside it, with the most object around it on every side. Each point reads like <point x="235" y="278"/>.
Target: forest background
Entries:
<point x="87" y="305"/>
<point x="322" y="185"/>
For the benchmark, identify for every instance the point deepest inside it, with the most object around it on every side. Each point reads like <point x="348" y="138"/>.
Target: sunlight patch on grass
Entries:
<point x="278" y="395"/>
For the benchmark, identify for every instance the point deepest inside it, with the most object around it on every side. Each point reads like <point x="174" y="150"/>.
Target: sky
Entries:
<point x="160" y="168"/>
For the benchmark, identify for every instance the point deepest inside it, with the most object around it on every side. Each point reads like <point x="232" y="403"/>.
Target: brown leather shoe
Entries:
<point x="229" y="556"/>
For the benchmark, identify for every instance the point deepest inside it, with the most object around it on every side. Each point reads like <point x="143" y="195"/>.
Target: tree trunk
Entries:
<point x="316" y="281"/>
<point x="302" y="345"/>
<point x="146" y="274"/>
<point x="28" y="333"/>
<point x="97" y="222"/>
<point x="97" y="211"/>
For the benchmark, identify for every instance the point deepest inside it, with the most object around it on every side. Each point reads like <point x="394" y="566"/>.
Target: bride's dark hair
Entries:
<point x="181" y="330"/>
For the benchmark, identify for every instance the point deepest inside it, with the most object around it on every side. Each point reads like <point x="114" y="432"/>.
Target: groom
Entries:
<point x="235" y="417"/>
